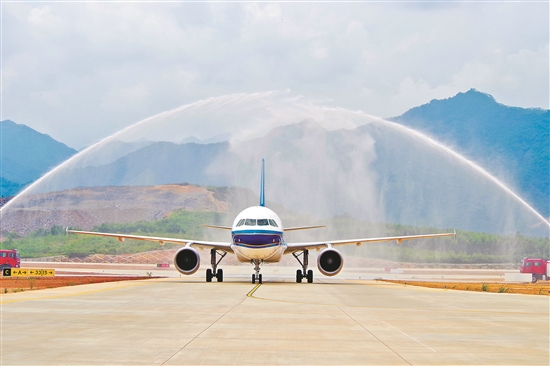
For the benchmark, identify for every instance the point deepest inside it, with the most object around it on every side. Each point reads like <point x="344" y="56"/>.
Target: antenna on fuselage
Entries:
<point x="262" y="186"/>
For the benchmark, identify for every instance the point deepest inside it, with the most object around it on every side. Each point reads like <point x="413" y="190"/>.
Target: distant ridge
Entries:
<point x="27" y="155"/>
<point x="512" y="143"/>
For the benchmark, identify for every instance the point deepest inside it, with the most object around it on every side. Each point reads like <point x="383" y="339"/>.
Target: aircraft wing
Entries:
<point x="303" y="227"/>
<point x="186" y="242"/>
<point x="294" y="247"/>
<point x="217" y="227"/>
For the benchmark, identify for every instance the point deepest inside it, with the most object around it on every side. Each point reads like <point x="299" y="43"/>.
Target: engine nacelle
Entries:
<point x="187" y="261"/>
<point x="330" y="262"/>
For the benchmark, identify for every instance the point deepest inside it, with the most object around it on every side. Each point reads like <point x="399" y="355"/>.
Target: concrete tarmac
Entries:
<point x="334" y="321"/>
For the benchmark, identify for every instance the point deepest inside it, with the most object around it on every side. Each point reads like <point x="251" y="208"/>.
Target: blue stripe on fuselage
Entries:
<point x="257" y="237"/>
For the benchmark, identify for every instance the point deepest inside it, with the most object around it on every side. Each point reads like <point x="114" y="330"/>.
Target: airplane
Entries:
<point x="258" y="237"/>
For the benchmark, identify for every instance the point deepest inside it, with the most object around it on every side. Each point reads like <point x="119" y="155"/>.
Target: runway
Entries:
<point x="334" y="321"/>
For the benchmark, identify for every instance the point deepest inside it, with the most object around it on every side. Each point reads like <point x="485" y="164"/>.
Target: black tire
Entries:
<point x="260" y="278"/>
<point x="299" y="276"/>
<point x="208" y="275"/>
<point x="253" y="279"/>
<point x="219" y="275"/>
<point x="534" y="278"/>
<point x="310" y="276"/>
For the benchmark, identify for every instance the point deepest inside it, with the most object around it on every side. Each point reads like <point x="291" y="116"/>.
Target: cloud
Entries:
<point x="122" y="98"/>
<point x="418" y="92"/>
<point x="104" y="66"/>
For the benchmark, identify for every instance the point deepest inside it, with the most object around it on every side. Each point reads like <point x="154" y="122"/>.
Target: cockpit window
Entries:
<point x="241" y="222"/>
<point x="272" y="223"/>
<point x="250" y="222"/>
<point x="263" y="222"/>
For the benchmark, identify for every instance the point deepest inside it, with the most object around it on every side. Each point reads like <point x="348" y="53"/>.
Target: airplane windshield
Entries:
<point x="250" y="222"/>
<point x="273" y="223"/>
<point x="241" y="222"/>
<point x="263" y="222"/>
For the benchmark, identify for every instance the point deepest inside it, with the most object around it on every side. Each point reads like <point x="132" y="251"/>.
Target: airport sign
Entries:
<point x="26" y="272"/>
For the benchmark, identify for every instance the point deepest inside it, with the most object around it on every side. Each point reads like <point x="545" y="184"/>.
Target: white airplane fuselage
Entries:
<point x="257" y="234"/>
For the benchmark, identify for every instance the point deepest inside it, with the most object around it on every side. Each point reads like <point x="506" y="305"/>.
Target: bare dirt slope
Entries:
<point x="87" y="207"/>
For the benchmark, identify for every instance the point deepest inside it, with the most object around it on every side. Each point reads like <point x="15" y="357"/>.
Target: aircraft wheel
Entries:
<point x="310" y="276"/>
<point x="219" y="275"/>
<point x="299" y="276"/>
<point x="253" y="279"/>
<point x="260" y="278"/>
<point x="208" y="275"/>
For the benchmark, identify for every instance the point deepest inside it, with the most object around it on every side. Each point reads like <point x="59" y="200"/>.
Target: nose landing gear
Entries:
<point x="256" y="276"/>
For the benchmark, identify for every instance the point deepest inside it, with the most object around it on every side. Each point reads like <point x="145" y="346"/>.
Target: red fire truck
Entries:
<point x="538" y="267"/>
<point x="9" y="258"/>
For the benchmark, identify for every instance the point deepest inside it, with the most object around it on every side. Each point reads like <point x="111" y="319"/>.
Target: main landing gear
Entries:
<point x="257" y="275"/>
<point x="215" y="271"/>
<point x="304" y="272"/>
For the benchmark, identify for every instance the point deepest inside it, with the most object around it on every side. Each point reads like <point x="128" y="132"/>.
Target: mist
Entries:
<point x="321" y="163"/>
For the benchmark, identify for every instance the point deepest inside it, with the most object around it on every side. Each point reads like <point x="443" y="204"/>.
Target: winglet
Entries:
<point x="262" y="186"/>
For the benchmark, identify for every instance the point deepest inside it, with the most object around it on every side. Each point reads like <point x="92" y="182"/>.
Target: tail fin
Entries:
<point x="262" y="186"/>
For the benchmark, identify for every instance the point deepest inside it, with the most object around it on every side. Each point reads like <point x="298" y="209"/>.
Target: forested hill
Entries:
<point x="26" y="155"/>
<point x="511" y="143"/>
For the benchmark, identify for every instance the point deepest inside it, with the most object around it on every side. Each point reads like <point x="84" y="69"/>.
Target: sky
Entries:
<point x="81" y="71"/>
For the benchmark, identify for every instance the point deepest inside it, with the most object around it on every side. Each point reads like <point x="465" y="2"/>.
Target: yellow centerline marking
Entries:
<point x="253" y="290"/>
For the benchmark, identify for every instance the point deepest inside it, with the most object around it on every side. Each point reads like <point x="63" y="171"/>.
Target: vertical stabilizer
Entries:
<point x="262" y="186"/>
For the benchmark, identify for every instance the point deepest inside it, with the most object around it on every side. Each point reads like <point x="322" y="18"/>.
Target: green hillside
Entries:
<point x="511" y="143"/>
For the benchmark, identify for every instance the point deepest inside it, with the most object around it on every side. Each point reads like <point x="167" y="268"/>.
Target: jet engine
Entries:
<point x="330" y="262"/>
<point x="187" y="260"/>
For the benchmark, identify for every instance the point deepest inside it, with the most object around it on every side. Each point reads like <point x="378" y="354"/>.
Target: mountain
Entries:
<point x="157" y="163"/>
<point x="27" y="155"/>
<point x="509" y="142"/>
<point x="379" y="172"/>
<point x="111" y="151"/>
